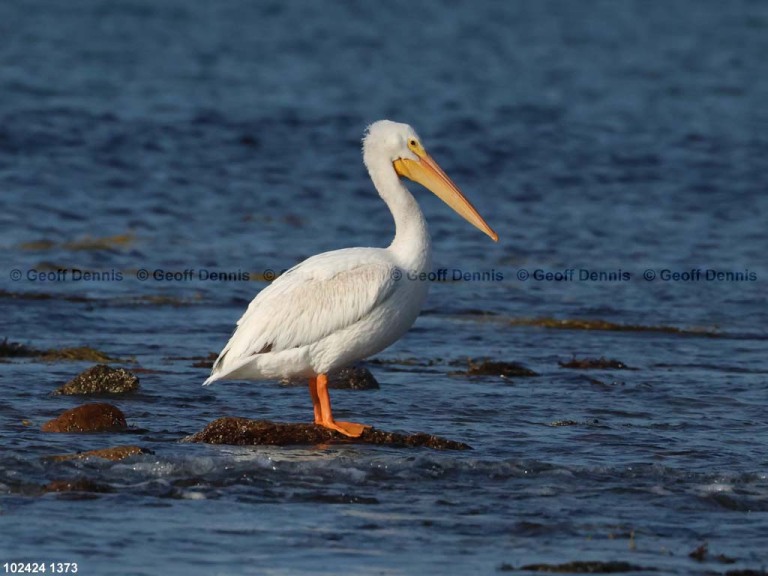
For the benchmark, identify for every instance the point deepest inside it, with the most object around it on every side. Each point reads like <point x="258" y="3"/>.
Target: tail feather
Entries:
<point x="211" y="379"/>
<point x="229" y="372"/>
<point x="216" y="371"/>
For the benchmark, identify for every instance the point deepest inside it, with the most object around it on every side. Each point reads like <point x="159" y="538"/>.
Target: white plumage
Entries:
<point x="328" y="311"/>
<point x="342" y="306"/>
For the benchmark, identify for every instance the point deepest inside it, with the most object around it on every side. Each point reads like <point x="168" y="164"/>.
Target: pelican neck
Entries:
<point x="411" y="246"/>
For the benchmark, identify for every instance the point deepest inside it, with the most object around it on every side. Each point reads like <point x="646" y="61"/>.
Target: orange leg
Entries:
<point x="315" y="400"/>
<point x="321" y="401"/>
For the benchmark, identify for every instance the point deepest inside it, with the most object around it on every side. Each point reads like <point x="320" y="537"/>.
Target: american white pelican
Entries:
<point x="342" y="306"/>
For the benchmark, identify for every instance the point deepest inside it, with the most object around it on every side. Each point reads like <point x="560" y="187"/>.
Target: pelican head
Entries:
<point x="401" y="146"/>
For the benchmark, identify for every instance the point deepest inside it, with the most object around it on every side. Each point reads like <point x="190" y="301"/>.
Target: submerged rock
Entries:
<point x="80" y="353"/>
<point x="43" y="295"/>
<point x="350" y="378"/>
<point x="701" y="554"/>
<point x="601" y="363"/>
<point x="205" y="361"/>
<point x="586" y="567"/>
<point x="77" y="485"/>
<point x="85" y="243"/>
<point x="418" y="362"/>
<point x="115" y="453"/>
<point x="101" y="379"/>
<point x="245" y="432"/>
<point x="96" y="417"/>
<point x="598" y="324"/>
<point x="484" y="367"/>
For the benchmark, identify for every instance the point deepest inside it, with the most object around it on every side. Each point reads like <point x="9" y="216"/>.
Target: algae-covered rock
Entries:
<point x="245" y="432"/>
<point x="96" y="417"/>
<point x="101" y="379"/>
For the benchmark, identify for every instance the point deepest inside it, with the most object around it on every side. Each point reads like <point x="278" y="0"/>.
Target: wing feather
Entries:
<point x="312" y="300"/>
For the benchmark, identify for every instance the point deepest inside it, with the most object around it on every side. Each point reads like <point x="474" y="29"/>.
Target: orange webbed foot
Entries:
<point x="351" y="429"/>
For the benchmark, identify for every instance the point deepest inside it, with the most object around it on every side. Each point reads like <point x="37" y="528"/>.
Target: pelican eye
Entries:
<point x="412" y="143"/>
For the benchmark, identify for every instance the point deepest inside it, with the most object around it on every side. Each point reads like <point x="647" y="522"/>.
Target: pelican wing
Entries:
<point x="320" y="296"/>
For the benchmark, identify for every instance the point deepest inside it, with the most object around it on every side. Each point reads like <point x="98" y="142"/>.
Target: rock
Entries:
<point x="96" y="417"/>
<point x="485" y="367"/>
<point x="601" y="363"/>
<point x="245" y="432"/>
<point x="16" y="350"/>
<point x="115" y="453"/>
<point x="101" y="379"/>
<point x="350" y="378"/>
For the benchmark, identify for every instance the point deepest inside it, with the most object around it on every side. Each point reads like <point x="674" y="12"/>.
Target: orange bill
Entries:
<point x="428" y="173"/>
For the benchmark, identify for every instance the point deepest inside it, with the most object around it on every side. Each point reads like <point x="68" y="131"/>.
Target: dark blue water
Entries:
<point x="628" y="139"/>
